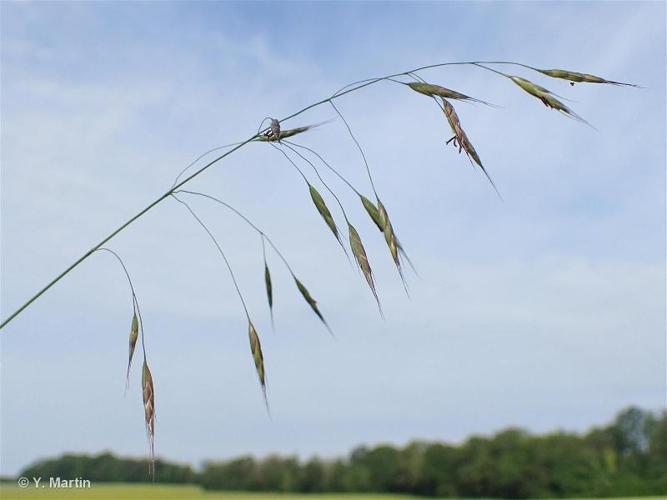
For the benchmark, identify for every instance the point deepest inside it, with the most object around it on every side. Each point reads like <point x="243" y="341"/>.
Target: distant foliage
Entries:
<point x="108" y="468"/>
<point x="626" y="458"/>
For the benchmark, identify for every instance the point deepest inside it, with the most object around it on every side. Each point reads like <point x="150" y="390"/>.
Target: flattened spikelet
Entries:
<point x="392" y="241"/>
<point x="379" y="222"/>
<point x="323" y="210"/>
<point x="372" y="211"/>
<point x="574" y="76"/>
<point x="389" y="233"/>
<point x="311" y="302"/>
<point x="134" y="335"/>
<point x="149" y="413"/>
<point x="362" y="260"/>
<point x="269" y="288"/>
<point x="432" y="90"/>
<point x="530" y="87"/>
<point x="547" y="98"/>
<point x="258" y="357"/>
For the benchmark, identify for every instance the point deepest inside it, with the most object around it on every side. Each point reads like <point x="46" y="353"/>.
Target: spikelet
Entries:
<point x="374" y="214"/>
<point x="372" y="211"/>
<point x="134" y="335"/>
<point x="311" y="302"/>
<point x="258" y="358"/>
<point x="392" y="242"/>
<point x="547" y="98"/>
<point x="269" y="288"/>
<point x="573" y="77"/>
<point x="362" y="260"/>
<point x="390" y="238"/>
<point x="323" y="210"/>
<point x="530" y="87"/>
<point x="149" y="412"/>
<point x="432" y="90"/>
<point x="461" y="140"/>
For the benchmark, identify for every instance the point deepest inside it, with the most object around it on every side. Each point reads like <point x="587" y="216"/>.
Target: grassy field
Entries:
<point x="125" y="492"/>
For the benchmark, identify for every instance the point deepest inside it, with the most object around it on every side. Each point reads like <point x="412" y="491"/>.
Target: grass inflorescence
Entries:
<point x="297" y="155"/>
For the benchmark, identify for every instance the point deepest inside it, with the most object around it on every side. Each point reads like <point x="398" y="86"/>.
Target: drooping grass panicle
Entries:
<point x="378" y="213"/>
<point x="460" y="140"/>
<point x="261" y="136"/>
<point x="307" y="296"/>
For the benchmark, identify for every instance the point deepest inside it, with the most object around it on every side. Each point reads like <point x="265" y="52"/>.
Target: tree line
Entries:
<point x="628" y="457"/>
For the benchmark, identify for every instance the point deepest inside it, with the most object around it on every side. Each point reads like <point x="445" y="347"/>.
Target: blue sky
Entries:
<point x="544" y="311"/>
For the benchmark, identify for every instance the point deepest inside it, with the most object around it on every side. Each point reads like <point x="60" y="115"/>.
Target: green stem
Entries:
<point x="338" y="174"/>
<point x="262" y="234"/>
<point x="355" y="86"/>
<point x="135" y="301"/>
<point x="220" y="251"/>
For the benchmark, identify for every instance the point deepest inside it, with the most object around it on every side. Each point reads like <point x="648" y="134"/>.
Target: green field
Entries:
<point x="125" y="492"/>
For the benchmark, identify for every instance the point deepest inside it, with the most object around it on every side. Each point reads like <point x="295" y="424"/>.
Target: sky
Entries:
<point x="544" y="311"/>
